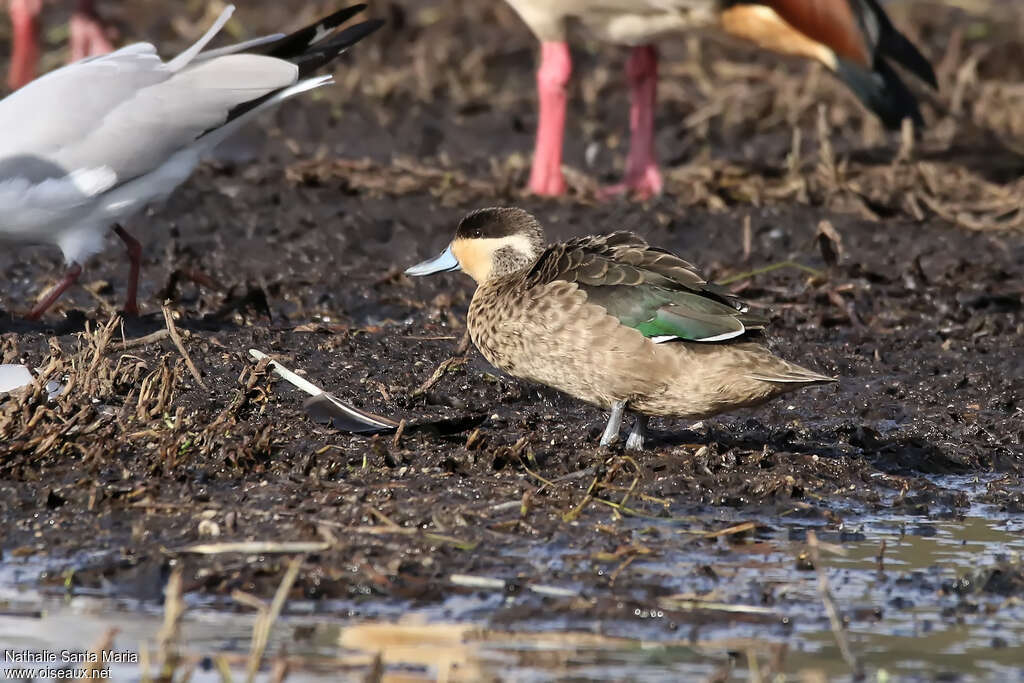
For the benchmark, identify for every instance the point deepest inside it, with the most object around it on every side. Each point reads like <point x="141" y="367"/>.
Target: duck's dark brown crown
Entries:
<point x="498" y="222"/>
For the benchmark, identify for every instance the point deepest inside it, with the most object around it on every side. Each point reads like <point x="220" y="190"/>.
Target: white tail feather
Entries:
<point x="238" y="47"/>
<point x="183" y="60"/>
<point x="214" y="137"/>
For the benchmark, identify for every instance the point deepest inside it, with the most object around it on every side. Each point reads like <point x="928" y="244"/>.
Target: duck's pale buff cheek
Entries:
<point x="474" y="259"/>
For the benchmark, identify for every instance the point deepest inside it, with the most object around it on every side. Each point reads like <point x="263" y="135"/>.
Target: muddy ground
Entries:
<point x="303" y="225"/>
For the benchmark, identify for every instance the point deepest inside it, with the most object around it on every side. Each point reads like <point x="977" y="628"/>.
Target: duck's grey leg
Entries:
<point x="611" y="430"/>
<point x="635" y="442"/>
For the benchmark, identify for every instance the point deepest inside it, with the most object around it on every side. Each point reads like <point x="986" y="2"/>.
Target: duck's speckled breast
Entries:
<point x="550" y="334"/>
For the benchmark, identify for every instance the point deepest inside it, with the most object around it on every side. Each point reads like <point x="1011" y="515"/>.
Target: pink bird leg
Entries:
<point x="642" y="175"/>
<point x="25" y="44"/>
<point x="88" y="32"/>
<point x="552" y="77"/>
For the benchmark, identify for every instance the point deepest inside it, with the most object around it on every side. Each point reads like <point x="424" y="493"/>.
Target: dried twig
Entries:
<point x="589" y="496"/>
<point x="487" y="582"/>
<point x="735" y="529"/>
<point x="830" y="608"/>
<point x="395" y="442"/>
<point x="144" y="341"/>
<point x="167" y="638"/>
<point x="255" y="547"/>
<point x="261" y="631"/>
<point x="100" y="340"/>
<point x="688" y="604"/>
<point x="748" y="239"/>
<point x="768" y="269"/>
<point x="176" y="338"/>
<point x="104" y="644"/>
<point x="444" y="367"/>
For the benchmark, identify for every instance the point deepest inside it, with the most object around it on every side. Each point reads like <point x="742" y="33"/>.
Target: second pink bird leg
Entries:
<point x="88" y="33"/>
<point x="642" y="175"/>
<point x="552" y="78"/>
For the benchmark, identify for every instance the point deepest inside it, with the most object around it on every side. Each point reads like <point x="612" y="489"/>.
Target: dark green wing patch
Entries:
<point x="651" y="290"/>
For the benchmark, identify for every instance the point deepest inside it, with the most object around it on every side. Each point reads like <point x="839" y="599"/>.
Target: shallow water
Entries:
<point x="913" y="619"/>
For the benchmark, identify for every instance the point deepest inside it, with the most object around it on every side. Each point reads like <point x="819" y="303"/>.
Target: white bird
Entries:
<point x="91" y="144"/>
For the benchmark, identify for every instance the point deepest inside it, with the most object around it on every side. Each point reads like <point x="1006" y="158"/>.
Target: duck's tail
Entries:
<point x="784" y="372"/>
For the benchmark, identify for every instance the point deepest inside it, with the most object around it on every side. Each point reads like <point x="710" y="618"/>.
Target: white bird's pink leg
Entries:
<point x="642" y="175"/>
<point x="552" y="77"/>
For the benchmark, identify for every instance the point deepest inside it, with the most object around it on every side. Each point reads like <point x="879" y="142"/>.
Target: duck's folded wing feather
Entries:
<point x="665" y="314"/>
<point x="651" y="290"/>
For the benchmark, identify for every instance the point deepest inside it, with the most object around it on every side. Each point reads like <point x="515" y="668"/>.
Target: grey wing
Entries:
<point x="128" y="111"/>
<point x="164" y="118"/>
<point x="51" y="120"/>
<point x="131" y="114"/>
<point x="56" y="111"/>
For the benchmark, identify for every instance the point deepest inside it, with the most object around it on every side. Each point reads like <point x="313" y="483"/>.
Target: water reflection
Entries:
<point x="910" y="615"/>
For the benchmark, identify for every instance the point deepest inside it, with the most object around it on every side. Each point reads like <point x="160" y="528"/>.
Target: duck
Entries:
<point x="88" y="37"/>
<point x="853" y="38"/>
<point x="73" y="168"/>
<point x="613" y="322"/>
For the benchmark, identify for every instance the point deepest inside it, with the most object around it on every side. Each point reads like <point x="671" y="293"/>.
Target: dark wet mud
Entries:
<point x="293" y="240"/>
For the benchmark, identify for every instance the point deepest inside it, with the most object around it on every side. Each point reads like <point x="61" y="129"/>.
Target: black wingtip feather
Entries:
<point x="882" y="92"/>
<point x="896" y="46"/>
<point x="297" y="42"/>
<point x="323" y="52"/>
<point x="300" y="49"/>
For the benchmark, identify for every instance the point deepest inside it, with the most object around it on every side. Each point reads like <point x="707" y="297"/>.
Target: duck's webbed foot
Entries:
<point x="635" y="442"/>
<point x="611" y="430"/>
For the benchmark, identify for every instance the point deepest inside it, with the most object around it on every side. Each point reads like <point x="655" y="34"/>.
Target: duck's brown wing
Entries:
<point x="651" y="290"/>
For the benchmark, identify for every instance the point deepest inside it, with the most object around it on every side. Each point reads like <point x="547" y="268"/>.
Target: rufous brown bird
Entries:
<point x="853" y="38"/>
